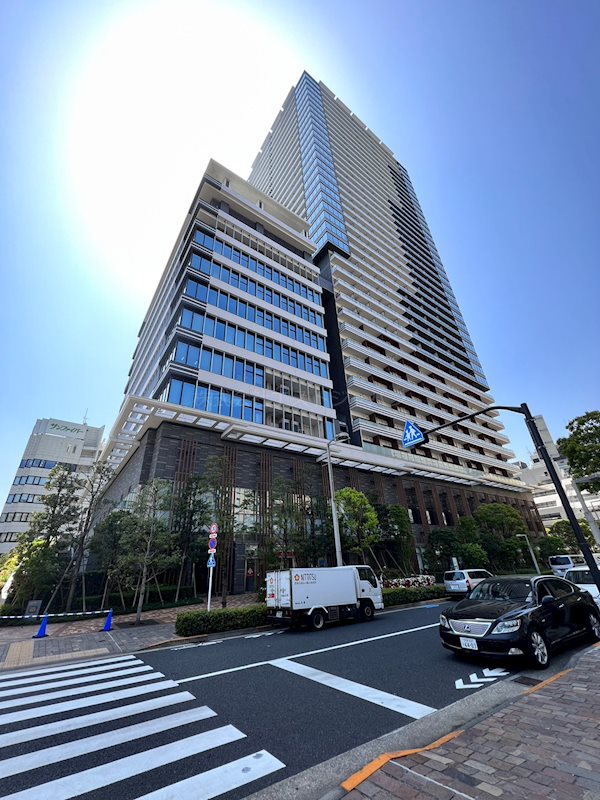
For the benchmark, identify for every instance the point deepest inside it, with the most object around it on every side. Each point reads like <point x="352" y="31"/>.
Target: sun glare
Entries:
<point x="161" y="89"/>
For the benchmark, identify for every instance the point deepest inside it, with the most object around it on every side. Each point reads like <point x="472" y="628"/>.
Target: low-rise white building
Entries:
<point x="52" y="442"/>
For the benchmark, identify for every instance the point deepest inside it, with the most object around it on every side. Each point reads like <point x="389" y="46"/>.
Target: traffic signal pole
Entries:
<point x="552" y="473"/>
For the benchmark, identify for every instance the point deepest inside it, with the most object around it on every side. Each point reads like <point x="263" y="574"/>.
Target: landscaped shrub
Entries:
<point x="406" y="583"/>
<point x="402" y="596"/>
<point x="192" y="623"/>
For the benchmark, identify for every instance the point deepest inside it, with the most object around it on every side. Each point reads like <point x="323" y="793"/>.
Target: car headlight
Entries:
<point x="444" y="622"/>
<point x="510" y="626"/>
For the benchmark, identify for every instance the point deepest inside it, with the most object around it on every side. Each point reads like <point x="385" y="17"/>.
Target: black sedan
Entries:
<point x="520" y="616"/>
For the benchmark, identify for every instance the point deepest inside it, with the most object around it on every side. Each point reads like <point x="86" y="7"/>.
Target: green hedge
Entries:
<point x="191" y="623"/>
<point x="403" y="596"/>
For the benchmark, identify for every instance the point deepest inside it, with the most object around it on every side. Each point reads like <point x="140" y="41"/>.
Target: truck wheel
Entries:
<point x="367" y="612"/>
<point x="317" y="620"/>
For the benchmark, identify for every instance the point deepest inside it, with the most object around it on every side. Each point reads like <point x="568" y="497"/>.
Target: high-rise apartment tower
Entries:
<point x="308" y="296"/>
<point x="398" y="343"/>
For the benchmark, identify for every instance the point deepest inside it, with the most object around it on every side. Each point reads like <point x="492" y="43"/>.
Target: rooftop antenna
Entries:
<point x="85" y="417"/>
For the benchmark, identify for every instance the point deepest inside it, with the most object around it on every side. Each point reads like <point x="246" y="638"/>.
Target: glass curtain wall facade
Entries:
<point x="236" y="327"/>
<point x="396" y="331"/>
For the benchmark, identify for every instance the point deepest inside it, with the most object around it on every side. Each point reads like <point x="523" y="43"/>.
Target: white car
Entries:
<point x="461" y="581"/>
<point x="582" y="578"/>
<point x="560" y="565"/>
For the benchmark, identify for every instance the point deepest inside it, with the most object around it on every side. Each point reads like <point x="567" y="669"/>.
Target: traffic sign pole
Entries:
<point x="210" y="572"/>
<point x="212" y="549"/>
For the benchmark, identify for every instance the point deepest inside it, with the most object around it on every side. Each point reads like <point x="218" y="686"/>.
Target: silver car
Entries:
<point x="461" y="581"/>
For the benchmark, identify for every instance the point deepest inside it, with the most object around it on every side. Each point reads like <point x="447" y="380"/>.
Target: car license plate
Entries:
<point x="455" y="585"/>
<point x="468" y="644"/>
<point x="279" y="613"/>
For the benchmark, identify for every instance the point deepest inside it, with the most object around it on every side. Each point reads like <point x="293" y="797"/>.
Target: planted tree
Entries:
<point x="288" y="521"/>
<point x="397" y="536"/>
<point x="551" y="545"/>
<point x="358" y="521"/>
<point x="582" y="448"/>
<point x="562" y="529"/>
<point x="107" y="547"/>
<point x="190" y="515"/>
<point x="148" y="547"/>
<point x="220" y="494"/>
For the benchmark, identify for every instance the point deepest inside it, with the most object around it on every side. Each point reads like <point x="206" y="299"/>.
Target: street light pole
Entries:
<point x="533" y="558"/>
<point x="334" y="515"/>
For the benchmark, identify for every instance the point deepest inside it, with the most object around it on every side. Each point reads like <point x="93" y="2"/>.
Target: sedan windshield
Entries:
<point x="515" y="591"/>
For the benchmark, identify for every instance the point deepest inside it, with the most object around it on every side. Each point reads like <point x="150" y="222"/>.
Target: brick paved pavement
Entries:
<point x="545" y="745"/>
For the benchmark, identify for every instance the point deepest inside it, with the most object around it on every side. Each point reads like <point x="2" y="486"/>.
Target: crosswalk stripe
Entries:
<point x="27" y="681"/>
<point x="106" y="774"/>
<point x="101" y="741"/>
<point x="390" y="701"/>
<point x="25" y="673"/>
<point x="71" y="705"/>
<point x="24" y="701"/>
<point x="41" y="687"/>
<point x="97" y="718"/>
<point x="219" y="780"/>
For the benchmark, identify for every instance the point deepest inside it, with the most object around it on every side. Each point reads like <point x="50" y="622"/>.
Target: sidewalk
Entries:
<point x="85" y="639"/>
<point x="544" y="745"/>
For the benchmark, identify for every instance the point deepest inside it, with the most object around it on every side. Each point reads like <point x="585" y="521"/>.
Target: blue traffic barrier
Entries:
<point x="108" y="622"/>
<point x="42" y="631"/>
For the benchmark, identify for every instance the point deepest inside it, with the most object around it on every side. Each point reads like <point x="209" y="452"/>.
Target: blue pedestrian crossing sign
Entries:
<point x="412" y="435"/>
<point x="211" y="561"/>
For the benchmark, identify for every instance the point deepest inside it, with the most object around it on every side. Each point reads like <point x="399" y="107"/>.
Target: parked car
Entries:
<point x="561" y="564"/>
<point x="520" y="616"/>
<point x="461" y="581"/>
<point x="582" y="578"/>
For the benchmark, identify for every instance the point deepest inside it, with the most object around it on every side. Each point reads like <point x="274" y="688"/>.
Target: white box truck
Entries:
<point x="322" y="594"/>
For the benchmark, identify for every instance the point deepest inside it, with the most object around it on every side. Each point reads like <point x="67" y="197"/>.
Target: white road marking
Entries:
<point x="26" y="673"/>
<point x="70" y="705"/>
<point x="460" y="684"/>
<point x="97" y="718"/>
<point x="101" y="741"/>
<point x="308" y="653"/>
<point x="41" y="698"/>
<point x="474" y="677"/>
<point x="223" y="779"/>
<point x="390" y="701"/>
<point x="42" y="687"/>
<point x="105" y="774"/>
<point x="24" y="681"/>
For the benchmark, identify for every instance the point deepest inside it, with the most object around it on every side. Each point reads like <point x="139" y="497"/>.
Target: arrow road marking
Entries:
<point x="473" y="677"/>
<point x="489" y="676"/>
<point x="460" y="684"/>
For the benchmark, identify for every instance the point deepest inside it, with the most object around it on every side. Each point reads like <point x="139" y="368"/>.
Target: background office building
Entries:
<point x="308" y="296"/>
<point x="52" y="442"/>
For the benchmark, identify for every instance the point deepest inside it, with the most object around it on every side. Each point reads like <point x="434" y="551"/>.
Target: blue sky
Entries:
<point x="110" y="111"/>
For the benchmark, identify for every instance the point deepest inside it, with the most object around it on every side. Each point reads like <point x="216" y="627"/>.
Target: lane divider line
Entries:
<point x="359" y="777"/>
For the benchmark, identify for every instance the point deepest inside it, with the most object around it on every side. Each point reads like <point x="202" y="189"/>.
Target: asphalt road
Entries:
<point x="224" y="718"/>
